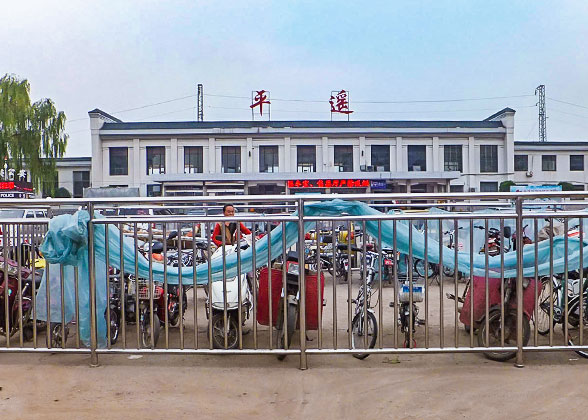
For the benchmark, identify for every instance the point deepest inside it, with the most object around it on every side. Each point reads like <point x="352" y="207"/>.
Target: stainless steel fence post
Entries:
<point x="91" y="267"/>
<point x="302" y="287"/>
<point x="519" y="229"/>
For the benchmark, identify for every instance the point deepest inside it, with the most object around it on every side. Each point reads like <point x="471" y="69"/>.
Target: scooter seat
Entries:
<point x="343" y="247"/>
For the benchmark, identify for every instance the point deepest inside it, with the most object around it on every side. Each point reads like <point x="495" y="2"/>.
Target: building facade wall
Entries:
<point x="287" y="140"/>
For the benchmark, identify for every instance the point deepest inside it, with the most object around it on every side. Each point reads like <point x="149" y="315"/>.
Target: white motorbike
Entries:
<point x="215" y="302"/>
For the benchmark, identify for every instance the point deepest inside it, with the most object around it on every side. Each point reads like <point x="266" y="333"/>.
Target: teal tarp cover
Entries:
<point x="66" y="245"/>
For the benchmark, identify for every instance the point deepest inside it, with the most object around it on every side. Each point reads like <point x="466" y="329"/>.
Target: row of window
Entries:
<point x="306" y="159"/>
<point x="548" y="163"/>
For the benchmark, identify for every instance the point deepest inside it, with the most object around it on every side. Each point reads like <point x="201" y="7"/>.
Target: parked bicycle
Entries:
<point x="433" y="270"/>
<point x="364" y="327"/>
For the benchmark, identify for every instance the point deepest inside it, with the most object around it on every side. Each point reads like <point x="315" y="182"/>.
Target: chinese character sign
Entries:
<point x="258" y="98"/>
<point x="340" y="102"/>
<point x="329" y="183"/>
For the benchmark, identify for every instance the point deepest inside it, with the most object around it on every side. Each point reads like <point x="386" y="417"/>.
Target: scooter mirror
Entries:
<point x="507" y="232"/>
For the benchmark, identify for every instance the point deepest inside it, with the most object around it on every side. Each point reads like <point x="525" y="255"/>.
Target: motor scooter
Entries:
<point x="226" y="335"/>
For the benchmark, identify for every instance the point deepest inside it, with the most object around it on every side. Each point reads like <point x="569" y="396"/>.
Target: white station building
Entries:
<point x="277" y="157"/>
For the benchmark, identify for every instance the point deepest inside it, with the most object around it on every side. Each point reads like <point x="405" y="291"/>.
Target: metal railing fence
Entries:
<point x="406" y="281"/>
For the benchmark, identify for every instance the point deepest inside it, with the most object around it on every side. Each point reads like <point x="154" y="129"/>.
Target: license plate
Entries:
<point x="387" y="262"/>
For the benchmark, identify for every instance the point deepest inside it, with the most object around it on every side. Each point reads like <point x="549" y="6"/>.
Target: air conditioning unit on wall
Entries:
<point x="529" y="174"/>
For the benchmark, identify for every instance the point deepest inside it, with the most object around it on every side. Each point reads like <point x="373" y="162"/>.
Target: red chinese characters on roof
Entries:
<point x="340" y="102"/>
<point x="260" y="99"/>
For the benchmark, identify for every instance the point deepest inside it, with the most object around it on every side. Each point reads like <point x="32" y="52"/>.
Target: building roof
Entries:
<point x="499" y="113"/>
<point x="104" y="114"/>
<point x="550" y="143"/>
<point x="66" y="162"/>
<point x="296" y="124"/>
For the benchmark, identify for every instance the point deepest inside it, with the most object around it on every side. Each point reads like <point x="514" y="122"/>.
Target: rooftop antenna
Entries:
<point x="200" y="103"/>
<point x="542" y="117"/>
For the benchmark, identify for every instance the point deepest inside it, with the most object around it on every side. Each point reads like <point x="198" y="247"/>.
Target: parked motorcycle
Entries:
<point x="495" y="319"/>
<point x="291" y="292"/>
<point x="135" y="291"/>
<point x="407" y="314"/>
<point x="215" y="301"/>
<point x="495" y="244"/>
<point x="10" y="326"/>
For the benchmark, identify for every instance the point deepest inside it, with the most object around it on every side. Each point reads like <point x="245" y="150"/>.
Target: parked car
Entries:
<point x="26" y="232"/>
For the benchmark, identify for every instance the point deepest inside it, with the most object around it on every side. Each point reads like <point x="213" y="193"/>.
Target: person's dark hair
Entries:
<point x="226" y="206"/>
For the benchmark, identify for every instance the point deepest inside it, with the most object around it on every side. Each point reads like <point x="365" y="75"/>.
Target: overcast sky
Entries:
<point x="118" y="55"/>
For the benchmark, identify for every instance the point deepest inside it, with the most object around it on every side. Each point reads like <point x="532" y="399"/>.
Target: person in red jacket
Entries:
<point x="230" y="228"/>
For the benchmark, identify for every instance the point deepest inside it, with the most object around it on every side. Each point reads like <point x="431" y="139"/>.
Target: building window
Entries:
<point x="155" y="160"/>
<point x="576" y="162"/>
<point x="548" y="163"/>
<point x="154" y="190"/>
<point x="119" y="160"/>
<point x="488" y="186"/>
<point x="456" y="188"/>
<point x="453" y="158"/>
<point x="343" y="158"/>
<point x="417" y="158"/>
<point x="268" y="159"/>
<point x="521" y="163"/>
<point x="381" y="158"/>
<point x="81" y="180"/>
<point x="488" y="158"/>
<point x="231" y="159"/>
<point x="193" y="160"/>
<point x="306" y="158"/>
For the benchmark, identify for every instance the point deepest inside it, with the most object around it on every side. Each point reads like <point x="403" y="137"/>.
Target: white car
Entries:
<point x="25" y="231"/>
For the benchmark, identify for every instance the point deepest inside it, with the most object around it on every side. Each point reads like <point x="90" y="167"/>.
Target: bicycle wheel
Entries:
<point x="358" y="333"/>
<point x="510" y="333"/>
<point x="448" y="271"/>
<point x="419" y="267"/>
<point x="545" y="297"/>
<point x="574" y="331"/>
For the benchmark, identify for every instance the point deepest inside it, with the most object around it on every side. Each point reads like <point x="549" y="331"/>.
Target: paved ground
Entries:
<point x="552" y="385"/>
<point x="407" y="387"/>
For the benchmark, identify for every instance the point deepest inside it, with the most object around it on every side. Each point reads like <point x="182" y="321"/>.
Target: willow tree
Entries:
<point x="32" y="135"/>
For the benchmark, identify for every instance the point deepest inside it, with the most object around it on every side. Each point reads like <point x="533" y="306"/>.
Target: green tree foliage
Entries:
<point x="62" y="192"/>
<point x="505" y="186"/>
<point x="31" y="134"/>
<point x="566" y="186"/>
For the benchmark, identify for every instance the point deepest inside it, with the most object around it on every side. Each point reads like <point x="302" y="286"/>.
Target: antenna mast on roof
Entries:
<point x="542" y="117"/>
<point x="200" y="104"/>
